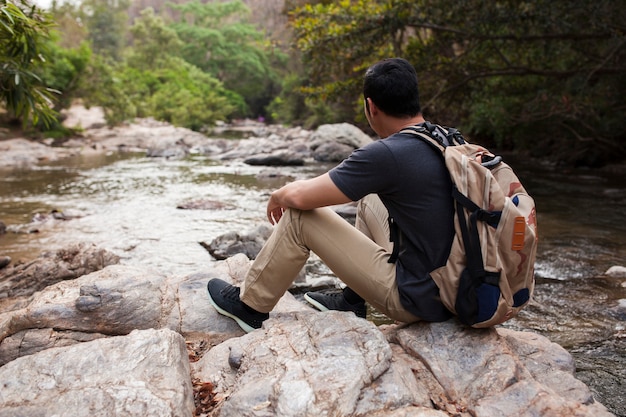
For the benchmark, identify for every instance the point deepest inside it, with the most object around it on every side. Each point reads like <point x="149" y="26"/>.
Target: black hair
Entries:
<point x="392" y="85"/>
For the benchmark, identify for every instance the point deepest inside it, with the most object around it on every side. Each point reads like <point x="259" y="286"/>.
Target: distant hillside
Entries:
<point x="267" y="15"/>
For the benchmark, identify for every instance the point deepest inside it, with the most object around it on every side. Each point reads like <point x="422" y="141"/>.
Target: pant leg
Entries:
<point x="354" y="258"/>
<point x="372" y="219"/>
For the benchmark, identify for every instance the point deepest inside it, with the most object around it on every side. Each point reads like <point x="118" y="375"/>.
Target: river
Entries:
<point x="127" y="203"/>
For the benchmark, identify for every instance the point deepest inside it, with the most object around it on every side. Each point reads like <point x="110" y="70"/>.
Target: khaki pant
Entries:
<point x="356" y="255"/>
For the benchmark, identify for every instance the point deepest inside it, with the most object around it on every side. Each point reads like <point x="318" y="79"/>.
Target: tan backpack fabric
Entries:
<point x="489" y="275"/>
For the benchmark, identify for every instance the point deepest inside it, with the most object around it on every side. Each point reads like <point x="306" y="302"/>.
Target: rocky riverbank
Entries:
<point x="82" y="334"/>
<point x="130" y="341"/>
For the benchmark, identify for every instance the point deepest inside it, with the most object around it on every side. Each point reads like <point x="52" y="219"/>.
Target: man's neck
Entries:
<point x="395" y="125"/>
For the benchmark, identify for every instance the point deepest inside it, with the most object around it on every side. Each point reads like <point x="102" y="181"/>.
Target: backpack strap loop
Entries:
<point x="492" y="218"/>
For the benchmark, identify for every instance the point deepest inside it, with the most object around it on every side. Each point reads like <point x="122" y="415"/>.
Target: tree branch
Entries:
<point x="517" y="38"/>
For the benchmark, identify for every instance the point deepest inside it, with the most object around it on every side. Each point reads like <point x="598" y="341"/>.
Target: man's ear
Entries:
<point x="370" y="107"/>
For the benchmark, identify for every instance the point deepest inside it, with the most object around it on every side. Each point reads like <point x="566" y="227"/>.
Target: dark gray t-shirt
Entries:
<point x="413" y="183"/>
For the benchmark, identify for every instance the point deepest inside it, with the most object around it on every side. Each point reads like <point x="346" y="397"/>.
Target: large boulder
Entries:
<point x="343" y="133"/>
<point x="143" y="374"/>
<point x="335" y="142"/>
<point x="333" y="363"/>
<point x="22" y="280"/>
<point x="118" y="299"/>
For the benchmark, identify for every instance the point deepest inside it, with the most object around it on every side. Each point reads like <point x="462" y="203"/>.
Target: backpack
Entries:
<point x="489" y="274"/>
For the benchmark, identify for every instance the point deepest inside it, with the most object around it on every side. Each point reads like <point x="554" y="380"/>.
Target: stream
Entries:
<point x="127" y="203"/>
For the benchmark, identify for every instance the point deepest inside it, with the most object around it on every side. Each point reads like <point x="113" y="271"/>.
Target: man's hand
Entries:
<point x="304" y="195"/>
<point x="274" y="210"/>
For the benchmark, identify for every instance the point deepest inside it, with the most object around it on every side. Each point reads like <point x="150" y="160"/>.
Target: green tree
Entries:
<point x="154" y="81"/>
<point x="64" y="70"/>
<point x="187" y="96"/>
<point x="107" y="25"/>
<point x="153" y="39"/>
<point x="544" y="75"/>
<point x="23" y="33"/>
<point x="108" y="84"/>
<point x="218" y="40"/>
<point x="69" y="25"/>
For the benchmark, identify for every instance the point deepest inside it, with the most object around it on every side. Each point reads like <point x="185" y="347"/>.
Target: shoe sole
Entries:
<point x="314" y="303"/>
<point x="244" y="326"/>
<point x="322" y="307"/>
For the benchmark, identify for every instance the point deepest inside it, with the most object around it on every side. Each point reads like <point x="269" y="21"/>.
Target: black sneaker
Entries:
<point x="335" y="301"/>
<point x="225" y="299"/>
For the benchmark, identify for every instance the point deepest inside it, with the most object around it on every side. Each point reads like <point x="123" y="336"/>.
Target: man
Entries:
<point x="403" y="188"/>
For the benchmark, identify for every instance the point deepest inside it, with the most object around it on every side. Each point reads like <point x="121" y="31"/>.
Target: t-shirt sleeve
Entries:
<point x="367" y="170"/>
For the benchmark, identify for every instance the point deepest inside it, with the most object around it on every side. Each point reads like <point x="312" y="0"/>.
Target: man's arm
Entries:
<point x="304" y="195"/>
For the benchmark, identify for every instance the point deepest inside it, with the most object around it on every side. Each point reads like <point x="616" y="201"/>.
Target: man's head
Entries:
<point x="392" y="85"/>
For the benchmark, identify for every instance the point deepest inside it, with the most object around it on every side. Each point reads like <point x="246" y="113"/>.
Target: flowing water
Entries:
<point x="127" y="203"/>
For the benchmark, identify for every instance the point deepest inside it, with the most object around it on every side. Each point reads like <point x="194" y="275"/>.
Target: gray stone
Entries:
<point x="54" y="266"/>
<point x="616" y="271"/>
<point x="143" y="374"/>
<point x="343" y="133"/>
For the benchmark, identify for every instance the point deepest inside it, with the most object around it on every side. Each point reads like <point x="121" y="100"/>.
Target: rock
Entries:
<point x="119" y="299"/>
<point x="143" y="374"/>
<point x="25" y="153"/>
<point x="74" y="339"/>
<point x="4" y="261"/>
<point x="332" y="152"/>
<point x="343" y="133"/>
<point x="616" y="271"/>
<point x="229" y="244"/>
<point x="333" y="363"/>
<point x="28" y="342"/>
<point x="52" y="267"/>
<point x="205" y="205"/>
<point x="79" y="116"/>
<point x="44" y="220"/>
<point x="176" y="152"/>
<point x="3" y="228"/>
<point x="316" y="364"/>
<point x="279" y="158"/>
<point x="499" y="372"/>
<point x="335" y="142"/>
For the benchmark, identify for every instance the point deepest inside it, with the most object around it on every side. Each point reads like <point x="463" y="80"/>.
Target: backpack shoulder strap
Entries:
<point x="438" y="136"/>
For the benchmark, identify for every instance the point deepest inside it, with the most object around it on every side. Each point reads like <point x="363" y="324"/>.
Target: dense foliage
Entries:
<point x="549" y="76"/>
<point x="218" y="41"/>
<point x="545" y="76"/>
<point x="23" y="34"/>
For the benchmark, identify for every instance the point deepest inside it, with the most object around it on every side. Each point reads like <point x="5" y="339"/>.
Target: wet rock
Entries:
<point x="4" y="261"/>
<point x="54" y="266"/>
<point x="205" y="205"/>
<point x="280" y="158"/>
<point x="145" y="373"/>
<point x="616" y="271"/>
<point x="270" y="173"/>
<point x="177" y="152"/>
<point x="44" y="220"/>
<point x="232" y="243"/>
